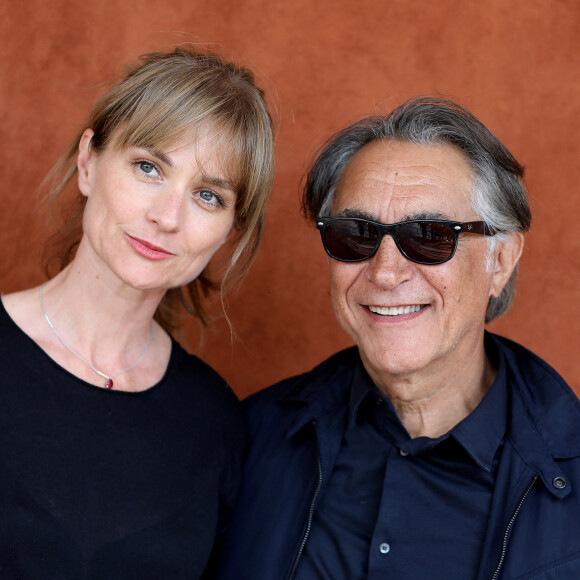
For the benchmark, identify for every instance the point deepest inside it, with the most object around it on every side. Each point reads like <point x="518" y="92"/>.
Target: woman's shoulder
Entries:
<point x="198" y="386"/>
<point x="20" y="317"/>
<point x="23" y="309"/>
<point x="185" y="362"/>
<point x="199" y="378"/>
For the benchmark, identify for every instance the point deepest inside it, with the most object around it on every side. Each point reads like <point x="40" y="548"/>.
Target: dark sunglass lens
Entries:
<point x="350" y="240"/>
<point x="428" y="242"/>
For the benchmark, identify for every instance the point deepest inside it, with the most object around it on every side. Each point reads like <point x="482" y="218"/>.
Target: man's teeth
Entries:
<point x="394" y="310"/>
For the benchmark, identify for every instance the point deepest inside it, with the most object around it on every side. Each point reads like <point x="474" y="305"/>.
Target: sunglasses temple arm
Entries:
<point x="478" y="228"/>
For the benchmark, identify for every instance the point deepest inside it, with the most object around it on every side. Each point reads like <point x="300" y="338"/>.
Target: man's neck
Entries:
<point x="432" y="402"/>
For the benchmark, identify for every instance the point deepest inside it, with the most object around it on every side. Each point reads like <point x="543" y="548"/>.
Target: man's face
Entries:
<point x="442" y="307"/>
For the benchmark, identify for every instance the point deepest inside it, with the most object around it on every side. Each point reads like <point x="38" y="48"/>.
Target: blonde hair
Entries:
<point x="165" y="97"/>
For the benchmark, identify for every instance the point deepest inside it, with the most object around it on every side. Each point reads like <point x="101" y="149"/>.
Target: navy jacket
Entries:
<point x="296" y="429"/>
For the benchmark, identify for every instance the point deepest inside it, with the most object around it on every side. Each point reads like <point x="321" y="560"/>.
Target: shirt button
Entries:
<point x="384" y="548"/>
<point x="403" y="452"/>
<point x="559" y="482"/>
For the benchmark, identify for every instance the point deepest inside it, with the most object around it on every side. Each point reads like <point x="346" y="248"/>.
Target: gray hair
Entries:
<point x="499" y="194"/>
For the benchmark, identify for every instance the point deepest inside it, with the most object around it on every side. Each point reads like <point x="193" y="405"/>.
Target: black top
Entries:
<point x="397" y="507"/>
<point x="100" y="484"/>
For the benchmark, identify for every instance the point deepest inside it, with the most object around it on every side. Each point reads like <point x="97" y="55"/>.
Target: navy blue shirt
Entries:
<point x="402" y="508"/>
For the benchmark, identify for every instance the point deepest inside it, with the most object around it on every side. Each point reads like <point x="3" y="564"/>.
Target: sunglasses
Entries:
<point x="421" y="241"/>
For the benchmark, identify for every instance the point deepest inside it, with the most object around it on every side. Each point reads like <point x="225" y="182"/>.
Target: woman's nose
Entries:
<point x="166" y="210"/>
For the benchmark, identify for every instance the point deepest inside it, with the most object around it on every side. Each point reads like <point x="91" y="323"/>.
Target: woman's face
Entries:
<point x="154" y="217"/>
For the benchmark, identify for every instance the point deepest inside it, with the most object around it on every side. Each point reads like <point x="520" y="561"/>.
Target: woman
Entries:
<point x="120" y="454"/>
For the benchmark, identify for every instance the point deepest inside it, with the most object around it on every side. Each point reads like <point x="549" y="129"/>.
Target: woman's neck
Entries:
<point x="99" y="310"/>
<point x="107" y="323"/>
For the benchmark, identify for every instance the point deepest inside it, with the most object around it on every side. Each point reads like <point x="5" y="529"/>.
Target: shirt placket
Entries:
<point x="385" y="550"/>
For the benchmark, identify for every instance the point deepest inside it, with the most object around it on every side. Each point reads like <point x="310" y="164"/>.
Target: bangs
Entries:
<point x="158" y="107"/>
<point x="225" y="145"/>
<point x="164" y="111"/>
<point x="231" y="141"/>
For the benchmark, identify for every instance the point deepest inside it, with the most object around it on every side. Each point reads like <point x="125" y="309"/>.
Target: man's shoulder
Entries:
<point x="540" y="397"/>
<point x="326" y="385"/>
<point x="526" y="366"/>
<point x="298" y="387"/>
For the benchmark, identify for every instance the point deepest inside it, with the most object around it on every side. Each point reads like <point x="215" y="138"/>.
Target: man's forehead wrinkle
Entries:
<point x="397" y="182"/>
<point x="421" y="176"/>
<point x="385" y="176"/>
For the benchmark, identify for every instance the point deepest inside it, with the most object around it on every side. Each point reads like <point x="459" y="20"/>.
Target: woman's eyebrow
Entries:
<point x="209" y="179"/>
<point x="160" y="155"/>
<point x="218" y="182"/>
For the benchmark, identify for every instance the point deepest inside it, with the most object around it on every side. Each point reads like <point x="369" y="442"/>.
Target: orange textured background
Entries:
<point x="324" y="63"/>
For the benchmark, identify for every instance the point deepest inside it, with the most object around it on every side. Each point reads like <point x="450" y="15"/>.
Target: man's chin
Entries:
<point x="403" y="360"/>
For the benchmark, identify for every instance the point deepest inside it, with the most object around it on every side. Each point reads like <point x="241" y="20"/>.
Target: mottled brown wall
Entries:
<point x="324" y="63"/>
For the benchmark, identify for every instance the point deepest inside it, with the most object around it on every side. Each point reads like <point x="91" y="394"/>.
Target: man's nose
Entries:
<point x="388" y="267"/>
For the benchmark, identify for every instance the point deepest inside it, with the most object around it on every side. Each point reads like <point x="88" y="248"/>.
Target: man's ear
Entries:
<point x="506" y="255"/>
<point x="84" y="158"/>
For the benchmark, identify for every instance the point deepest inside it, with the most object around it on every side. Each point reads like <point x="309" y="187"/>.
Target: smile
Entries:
<point x="148" y="250"/>
<point x="395" y="310"/>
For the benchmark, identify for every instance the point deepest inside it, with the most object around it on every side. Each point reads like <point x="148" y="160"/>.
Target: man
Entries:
<point x="432" y="449"/>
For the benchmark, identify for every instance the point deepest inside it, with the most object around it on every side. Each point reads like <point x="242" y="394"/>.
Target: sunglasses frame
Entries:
<point x="476" y="227"/>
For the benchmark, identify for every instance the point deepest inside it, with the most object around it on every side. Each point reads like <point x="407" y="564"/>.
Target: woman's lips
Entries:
<point x="149" y="250"/>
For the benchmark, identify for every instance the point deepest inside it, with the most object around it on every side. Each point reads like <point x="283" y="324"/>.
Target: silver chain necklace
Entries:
<point x="109" y="378"/>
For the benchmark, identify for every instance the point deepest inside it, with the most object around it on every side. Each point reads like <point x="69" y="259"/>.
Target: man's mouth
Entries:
<point x="395" y="310"/>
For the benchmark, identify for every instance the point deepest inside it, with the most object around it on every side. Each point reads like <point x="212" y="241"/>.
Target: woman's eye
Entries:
<point x="210" y="197"/>
<point x="147" y="167"/>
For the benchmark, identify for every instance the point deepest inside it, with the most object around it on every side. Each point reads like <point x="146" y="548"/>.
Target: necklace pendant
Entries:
<point x="109" y="384"/>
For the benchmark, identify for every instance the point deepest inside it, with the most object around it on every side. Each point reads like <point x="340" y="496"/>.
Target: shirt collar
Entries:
<point x="483" y="430"/>
<point x="368" y="403"/>
<point x="362" y="386"/>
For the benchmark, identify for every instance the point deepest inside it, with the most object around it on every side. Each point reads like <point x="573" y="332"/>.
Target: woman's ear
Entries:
<point x="84" y="162"/>
<point x="507" y="254"/>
